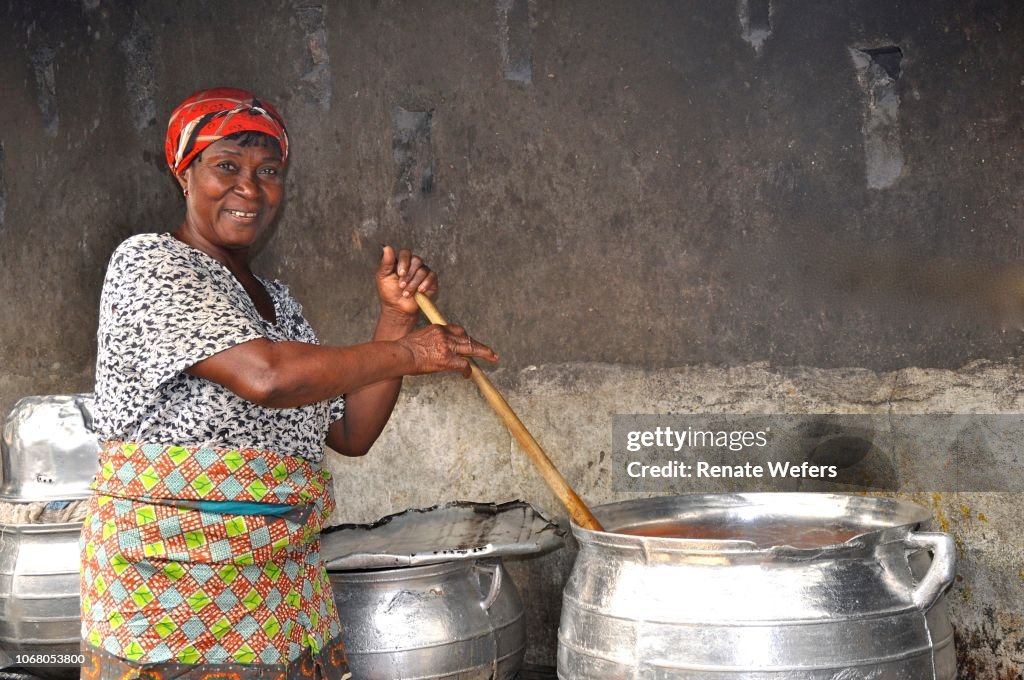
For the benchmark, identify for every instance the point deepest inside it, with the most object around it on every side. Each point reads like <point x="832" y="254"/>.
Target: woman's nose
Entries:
<point x="245" y="184"/>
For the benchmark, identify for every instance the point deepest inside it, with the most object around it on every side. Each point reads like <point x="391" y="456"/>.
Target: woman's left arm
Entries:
<point x="368" y="409"/>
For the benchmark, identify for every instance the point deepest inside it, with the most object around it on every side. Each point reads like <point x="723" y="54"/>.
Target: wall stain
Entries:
<point x="755" y="22"/>
<point x="878" y="69"/>
<point x="140" y="80"/>
<point x="515" y="41"/>
<point x="46" y="88"/>
<point x="940" y="514"/>
<point x="317" y="78"/>
<point x="945" y="525"/>
<point x="3" y="185"/>
<point x="982" y="650"/>
<point x="413" y="153"/>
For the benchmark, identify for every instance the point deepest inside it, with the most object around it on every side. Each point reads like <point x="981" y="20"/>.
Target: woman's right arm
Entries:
<point x="293" y="374"/>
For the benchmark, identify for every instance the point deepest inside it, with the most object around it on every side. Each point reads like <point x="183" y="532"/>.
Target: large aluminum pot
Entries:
<point x="456" y="620"/>
<point x="39" y="593"/>
<point x="856" y="597"/>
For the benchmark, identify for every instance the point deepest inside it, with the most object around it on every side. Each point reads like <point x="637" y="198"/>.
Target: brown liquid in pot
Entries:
<point x="795" y="535"/>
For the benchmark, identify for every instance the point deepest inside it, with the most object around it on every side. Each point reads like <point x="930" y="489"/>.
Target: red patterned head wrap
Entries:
<point x="210" y="115"/>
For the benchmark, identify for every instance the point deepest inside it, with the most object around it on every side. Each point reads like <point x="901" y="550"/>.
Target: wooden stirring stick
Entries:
<point x="578" y="510"/>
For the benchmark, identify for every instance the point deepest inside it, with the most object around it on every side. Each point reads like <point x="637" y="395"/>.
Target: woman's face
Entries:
<point x="234" y="192"/>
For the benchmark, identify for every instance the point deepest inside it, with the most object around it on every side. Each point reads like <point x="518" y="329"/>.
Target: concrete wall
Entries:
<point x="623" y="194"/>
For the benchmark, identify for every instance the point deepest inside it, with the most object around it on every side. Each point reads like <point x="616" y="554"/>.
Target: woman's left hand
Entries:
<point x="399" y="278"/>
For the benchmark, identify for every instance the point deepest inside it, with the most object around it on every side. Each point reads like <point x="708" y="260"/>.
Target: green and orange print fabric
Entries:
<point x="164" y="581"/>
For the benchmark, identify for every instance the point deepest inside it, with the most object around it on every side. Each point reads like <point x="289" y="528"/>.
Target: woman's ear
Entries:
<point x="183" y="182"/>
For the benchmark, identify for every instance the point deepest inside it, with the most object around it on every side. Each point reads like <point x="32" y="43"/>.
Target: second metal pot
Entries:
<point x="453" y="621"/>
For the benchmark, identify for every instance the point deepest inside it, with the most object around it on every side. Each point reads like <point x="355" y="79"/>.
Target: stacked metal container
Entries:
<point x="48" y="456"/>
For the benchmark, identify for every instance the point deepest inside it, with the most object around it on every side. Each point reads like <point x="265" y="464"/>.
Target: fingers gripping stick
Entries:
<point x="578" y="510"/>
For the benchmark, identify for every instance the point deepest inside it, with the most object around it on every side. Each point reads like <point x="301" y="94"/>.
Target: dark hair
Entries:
<point x="252" y="138"/>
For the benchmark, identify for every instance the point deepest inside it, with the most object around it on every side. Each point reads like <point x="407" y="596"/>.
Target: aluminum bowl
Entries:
<point x="49" y="450"/>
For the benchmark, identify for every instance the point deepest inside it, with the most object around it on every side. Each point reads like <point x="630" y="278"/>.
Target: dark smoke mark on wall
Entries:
<point x="46" y="88"/>
<point x="317" y="77"/>
<point x="414" y="157"/>
<point x="888" y="58"/>
<point x="878" y="69"/>
<point x="3" y="185"/>
<point x="140" y="78"/>
<point x="515" y="40"/>
<point x="755" y="22"/>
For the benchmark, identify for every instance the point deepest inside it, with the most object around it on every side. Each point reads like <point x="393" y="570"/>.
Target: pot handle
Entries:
<point x="494" y="569"/>
<point x="940" y="572"/>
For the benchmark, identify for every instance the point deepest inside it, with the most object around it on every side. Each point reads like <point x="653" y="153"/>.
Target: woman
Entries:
<point x="201" y="546"/>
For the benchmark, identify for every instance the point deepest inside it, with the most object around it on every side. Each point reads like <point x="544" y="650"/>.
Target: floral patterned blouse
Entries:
<point x="167" y="306"/>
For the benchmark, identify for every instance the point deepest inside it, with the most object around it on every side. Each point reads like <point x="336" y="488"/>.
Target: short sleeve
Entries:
<point x="337" y="409"/>
<point x="164" y="309"/>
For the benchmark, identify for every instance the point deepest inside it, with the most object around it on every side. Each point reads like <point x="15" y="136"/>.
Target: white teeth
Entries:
<point x="239" y="213"/>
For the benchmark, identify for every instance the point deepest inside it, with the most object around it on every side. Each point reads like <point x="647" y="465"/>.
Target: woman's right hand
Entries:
<point x="437" y="348"/>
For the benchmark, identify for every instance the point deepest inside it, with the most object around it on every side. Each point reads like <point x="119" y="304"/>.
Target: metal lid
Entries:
<point x="49" y="449"/>
<point x="460" y="530"/>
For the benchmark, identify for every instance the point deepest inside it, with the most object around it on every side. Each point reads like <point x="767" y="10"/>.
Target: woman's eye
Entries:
<point x="226" y="165"/>
<point x="268" y="171"/>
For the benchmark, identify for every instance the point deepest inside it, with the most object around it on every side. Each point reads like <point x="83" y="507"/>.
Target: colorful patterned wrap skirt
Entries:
<point x="170" y="590"/>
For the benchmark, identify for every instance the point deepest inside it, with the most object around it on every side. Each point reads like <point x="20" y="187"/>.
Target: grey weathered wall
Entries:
<point x="611" y="190"/>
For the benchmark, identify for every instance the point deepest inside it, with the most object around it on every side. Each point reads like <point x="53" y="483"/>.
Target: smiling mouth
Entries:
<point x="242" y="215"/>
